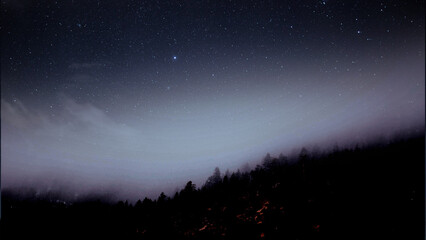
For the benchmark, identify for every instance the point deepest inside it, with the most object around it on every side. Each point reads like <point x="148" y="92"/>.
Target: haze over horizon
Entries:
<point x="141" y="97"/>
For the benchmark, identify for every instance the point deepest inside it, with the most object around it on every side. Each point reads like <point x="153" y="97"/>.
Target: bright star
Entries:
<point x="174" y="57"/>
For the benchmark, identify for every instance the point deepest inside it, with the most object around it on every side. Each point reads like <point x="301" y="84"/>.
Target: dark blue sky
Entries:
<point x="145" y="95"/>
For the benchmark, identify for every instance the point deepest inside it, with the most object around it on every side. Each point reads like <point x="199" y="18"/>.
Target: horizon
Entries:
<point x="111" y="195"/>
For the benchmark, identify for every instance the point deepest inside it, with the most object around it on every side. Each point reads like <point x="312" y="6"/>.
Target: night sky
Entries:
<point x="142" y="96"/>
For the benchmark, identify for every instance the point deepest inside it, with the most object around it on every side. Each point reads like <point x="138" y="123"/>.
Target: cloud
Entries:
<point x="87" y="150"/>
<point x="83" y="150"/>
<point x="79" y="147"/>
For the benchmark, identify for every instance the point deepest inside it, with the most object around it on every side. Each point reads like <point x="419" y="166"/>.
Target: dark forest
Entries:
<point x="374" y="191"/>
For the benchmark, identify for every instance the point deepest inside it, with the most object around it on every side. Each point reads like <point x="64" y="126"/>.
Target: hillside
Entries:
<point x="362" y="193"/>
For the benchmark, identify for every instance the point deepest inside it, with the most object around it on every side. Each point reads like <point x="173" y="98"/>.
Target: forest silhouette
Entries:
<point x="370" y="192"/>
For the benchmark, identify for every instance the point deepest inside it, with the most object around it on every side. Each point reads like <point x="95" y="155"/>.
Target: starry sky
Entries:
<point x="142" y="96"/>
